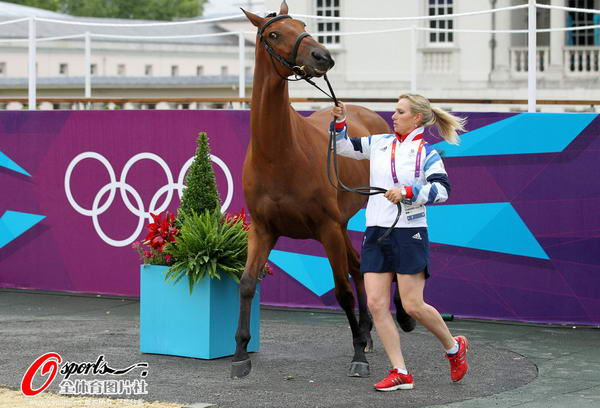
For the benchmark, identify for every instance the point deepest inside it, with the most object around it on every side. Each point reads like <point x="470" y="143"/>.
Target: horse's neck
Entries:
<point x="271" y="116"/>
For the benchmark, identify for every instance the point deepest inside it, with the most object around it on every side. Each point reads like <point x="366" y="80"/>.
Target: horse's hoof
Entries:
<point x="369" y="346"/>
<point x="406" y="323"/>
<point x="240" y="369"/>
<point x="359" y="369"/>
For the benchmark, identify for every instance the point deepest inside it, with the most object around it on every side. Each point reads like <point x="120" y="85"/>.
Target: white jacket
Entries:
<point x="425" y="180"/>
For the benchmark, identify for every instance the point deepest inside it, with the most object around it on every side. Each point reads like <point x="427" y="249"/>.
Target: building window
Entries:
<point x="577" y="19"/>
<point x="148" y="70"/>
<point x="2" y="68"/>
<point x="199" y="70"/>
<point x="94" y="69"/>
<point x="121" y="69"/>
<point x="224" y="70"/>
<point x="174" y="70"/>
<point x="328" y="8"/>
<point x="248" y="71"/>
<point x="440" y="8"/>
<point x="63" y="69"/>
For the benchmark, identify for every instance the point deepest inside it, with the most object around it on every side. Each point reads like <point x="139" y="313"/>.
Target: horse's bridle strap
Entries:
<point x="288" y="63"/>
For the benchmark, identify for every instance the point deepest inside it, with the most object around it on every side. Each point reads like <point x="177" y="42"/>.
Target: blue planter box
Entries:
<point x="200" y="325"/>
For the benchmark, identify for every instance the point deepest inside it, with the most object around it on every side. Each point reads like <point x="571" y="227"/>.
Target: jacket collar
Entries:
<point x="416" y="134"/>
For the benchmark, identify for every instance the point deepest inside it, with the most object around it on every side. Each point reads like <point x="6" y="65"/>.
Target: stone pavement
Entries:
<point x="304" y="358"/>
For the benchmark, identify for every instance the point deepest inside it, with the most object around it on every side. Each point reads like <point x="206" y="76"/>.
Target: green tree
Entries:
<point x="142" y="10"/>
<point x="201" y="191"/>
<point x="53" y="5"/>
<point x="129" y="9"/>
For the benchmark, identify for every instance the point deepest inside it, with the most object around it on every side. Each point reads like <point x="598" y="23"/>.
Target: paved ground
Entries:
<point x="304" y="357"/>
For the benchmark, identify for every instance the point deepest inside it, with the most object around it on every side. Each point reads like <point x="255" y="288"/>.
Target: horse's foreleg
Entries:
<point x="260" y="244"/>
<point x="332" y="237"/>
<point x="365" y="323"/>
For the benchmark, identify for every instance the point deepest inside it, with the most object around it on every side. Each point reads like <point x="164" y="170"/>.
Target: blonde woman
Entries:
<point x="413" y="173"/>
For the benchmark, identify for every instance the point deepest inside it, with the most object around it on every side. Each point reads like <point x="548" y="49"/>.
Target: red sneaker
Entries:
<point x="458" y="361"/>
<point x="396" y="381"/>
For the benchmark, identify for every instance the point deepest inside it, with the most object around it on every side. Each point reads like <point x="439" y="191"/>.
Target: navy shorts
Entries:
<point x="404" y="251"/>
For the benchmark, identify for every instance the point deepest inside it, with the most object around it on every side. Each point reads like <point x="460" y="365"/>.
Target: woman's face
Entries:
<point x="404" y="120"/>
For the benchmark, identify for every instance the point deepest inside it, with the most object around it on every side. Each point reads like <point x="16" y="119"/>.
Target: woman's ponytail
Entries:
<point x="447" y="123"/>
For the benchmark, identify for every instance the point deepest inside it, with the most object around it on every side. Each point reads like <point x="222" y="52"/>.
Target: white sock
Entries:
<point x="453" y="349"/>
<point x="401" y="371"/>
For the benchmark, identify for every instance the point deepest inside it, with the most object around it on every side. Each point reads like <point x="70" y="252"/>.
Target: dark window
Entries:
<point x="440" y="8"/>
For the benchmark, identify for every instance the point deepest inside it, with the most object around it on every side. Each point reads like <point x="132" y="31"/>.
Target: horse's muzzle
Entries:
<point x="321" y="61"/>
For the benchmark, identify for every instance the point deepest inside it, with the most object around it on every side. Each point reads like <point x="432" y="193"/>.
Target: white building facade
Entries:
<point x="448" y="65"/>
<point x="458" y="65"/>
<point x="202" y="66"/>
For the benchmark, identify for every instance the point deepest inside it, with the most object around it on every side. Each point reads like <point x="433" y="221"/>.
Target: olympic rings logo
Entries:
<point x="139" y="208"/>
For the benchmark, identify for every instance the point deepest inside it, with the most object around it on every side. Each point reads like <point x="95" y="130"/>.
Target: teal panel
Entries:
<point x="491" y="227"/>
<point x="313" y="272"/>
<point x="200" y="325"/>
<point x="521" y="134"/>
<point x="13" y="224"/>
<point x="358" y="222"/>
<point x="5" y="161"/>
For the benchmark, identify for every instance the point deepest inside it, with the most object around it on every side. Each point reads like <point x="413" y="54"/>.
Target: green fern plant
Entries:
<point x="207" y="243"/>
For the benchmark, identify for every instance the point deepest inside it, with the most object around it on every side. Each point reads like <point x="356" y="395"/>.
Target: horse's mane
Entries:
<point x="273" y="14"/>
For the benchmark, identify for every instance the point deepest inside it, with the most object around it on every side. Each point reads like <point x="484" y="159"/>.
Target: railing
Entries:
<point x="196" y="103"/>
<point x="519" y="57"/>
<point x="582" y="61"/>
<point x="584" y="64"/>
<point x="438" y="60"/>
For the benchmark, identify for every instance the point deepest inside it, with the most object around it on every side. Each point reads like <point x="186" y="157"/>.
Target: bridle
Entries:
<point x="300" y="74"/>
<point x="291" y="62"/>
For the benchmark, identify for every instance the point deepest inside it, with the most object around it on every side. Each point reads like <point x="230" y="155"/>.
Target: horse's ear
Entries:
<point x="254" y="19"/>
<point x="284" y="8"/>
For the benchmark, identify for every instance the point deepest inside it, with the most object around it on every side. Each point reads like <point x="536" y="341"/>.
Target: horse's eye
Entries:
<point x="273" y="35"/>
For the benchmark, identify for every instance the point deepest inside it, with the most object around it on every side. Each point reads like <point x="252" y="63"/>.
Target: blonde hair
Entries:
<point x="447" y="123"/>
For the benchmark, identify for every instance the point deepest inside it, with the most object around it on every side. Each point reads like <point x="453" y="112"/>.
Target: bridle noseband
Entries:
<point x="291" y="62"/>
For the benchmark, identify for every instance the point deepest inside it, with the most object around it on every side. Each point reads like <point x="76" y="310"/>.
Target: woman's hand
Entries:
<point x="339" y="112"/>
<point x="395" y="194"/>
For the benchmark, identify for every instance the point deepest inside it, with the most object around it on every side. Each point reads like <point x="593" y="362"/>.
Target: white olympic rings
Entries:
<point x="139" y="209"/>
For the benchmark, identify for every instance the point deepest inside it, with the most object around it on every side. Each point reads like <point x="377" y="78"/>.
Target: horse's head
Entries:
<point x="286" y="40"/>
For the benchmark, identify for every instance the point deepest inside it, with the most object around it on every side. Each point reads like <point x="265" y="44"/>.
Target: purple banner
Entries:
<point x="77" y="188"/>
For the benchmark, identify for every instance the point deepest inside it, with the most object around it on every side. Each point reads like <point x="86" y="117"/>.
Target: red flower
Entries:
<point x="161" y="231"/>
<point x="234" y="218"/>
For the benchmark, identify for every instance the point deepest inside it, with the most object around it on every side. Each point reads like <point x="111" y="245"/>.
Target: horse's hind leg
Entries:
<point x="332" y="237"/>
<point x="406" y="322"/>
<point x="260" y="243"/>
<point x="365" y="323"/>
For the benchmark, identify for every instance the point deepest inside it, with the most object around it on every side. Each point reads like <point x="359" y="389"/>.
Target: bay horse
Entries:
<point x="285" y="178"/>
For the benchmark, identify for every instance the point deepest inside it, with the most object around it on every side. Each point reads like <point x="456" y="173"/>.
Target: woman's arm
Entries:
<point x="358" y="148"/>
<point x="437" y="187"/>
<point x="354" y="147"/>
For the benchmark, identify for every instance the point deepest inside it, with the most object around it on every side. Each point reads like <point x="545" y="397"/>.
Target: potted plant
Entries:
<point x="189" y="293"/>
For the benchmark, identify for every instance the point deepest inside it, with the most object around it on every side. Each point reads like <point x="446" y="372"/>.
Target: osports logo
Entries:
<point x="50" y="364"/>
<point x="139" y="209"/>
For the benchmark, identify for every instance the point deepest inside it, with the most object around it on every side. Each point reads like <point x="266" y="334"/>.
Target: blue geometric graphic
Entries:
<point x="5" y="161"/>
<point x="521" y="134"/>
<point x="358" y="222"/>
<point x="491" y="227"/>
<point x="314" y="272"/>
<point x="13" y="224"/>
